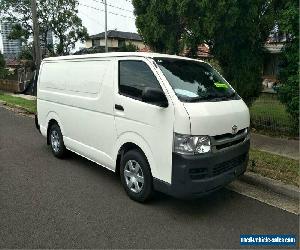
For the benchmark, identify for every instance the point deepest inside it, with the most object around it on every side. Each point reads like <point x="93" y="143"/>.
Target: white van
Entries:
<point x="162" y="122"/>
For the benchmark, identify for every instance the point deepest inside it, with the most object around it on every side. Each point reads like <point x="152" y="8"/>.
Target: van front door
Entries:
<point x="144" y="122"/>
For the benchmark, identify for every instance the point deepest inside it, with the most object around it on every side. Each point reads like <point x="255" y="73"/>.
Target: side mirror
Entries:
<point x="155" y="96"/>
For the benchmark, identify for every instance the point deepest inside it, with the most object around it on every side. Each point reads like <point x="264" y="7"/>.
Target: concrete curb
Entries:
<point x="270" y="184"/>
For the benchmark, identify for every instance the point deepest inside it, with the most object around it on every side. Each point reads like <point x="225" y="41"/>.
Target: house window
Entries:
<point x="121" y="43"/>
<point x="95" y="42"/>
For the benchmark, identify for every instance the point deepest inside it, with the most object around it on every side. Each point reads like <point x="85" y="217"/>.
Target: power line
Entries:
<point x="113" y="13"/>
<point x="113" y="6"/>
<point x="91" y="18"/>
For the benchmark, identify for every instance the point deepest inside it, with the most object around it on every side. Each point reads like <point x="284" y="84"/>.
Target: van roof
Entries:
<point x="116" y="54"/>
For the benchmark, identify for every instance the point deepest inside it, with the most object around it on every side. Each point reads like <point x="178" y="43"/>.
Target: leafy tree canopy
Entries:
<point x="58" y="16"/>
<point x="235" y="30"/>
<point x="160" y="24"/>
<point x="130" y="47"/>
<point x="289" y="75"/>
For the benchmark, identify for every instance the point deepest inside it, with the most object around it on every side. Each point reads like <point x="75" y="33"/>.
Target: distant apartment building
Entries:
<point x="46" y="43"/>
<point x="11" y="48"/>
<point x="115" y="39"/>
<point x="46" y="40"/>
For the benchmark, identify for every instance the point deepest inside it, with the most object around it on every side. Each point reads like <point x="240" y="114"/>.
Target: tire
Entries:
<point x="136" y="176"/>
<point x="56" y="141"/>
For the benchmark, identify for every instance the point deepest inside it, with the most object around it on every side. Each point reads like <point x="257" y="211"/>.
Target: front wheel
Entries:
<point x="136" y="176"/>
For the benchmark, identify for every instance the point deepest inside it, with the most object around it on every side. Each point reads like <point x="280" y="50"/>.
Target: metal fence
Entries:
<point x="268" y="114"/>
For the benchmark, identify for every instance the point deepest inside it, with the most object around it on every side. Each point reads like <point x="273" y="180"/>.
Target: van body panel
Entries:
<point x="182" y="124"/>
<point x="138" y="140"/>
<point x="217" y="118"/>
<point x="84" y="113"/>
<point x="153" y="124"/>
<point x="90" y="153"/>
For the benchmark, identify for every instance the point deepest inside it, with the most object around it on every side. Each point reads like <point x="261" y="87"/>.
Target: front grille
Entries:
<point x="224" y="141"/>
<point x="202" y="173"/>
<point x="198" y="173"/>
<point x="228" y="165"/>
<point x="228" y="135"/>
<point x="229" y="144"/>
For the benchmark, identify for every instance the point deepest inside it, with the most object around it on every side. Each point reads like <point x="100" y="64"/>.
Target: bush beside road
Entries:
<point x="269" y="116"/>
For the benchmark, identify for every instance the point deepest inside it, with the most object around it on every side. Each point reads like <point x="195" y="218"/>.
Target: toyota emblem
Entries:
<point x="234" y="129"/>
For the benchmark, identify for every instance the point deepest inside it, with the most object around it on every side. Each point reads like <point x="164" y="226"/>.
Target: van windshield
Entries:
<point x="195" y="81"/>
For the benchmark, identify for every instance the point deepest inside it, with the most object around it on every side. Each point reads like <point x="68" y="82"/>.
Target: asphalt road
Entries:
<point x="73" y="203"/>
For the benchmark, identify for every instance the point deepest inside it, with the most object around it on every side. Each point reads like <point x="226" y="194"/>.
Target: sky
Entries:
<point x="120" y="16"/>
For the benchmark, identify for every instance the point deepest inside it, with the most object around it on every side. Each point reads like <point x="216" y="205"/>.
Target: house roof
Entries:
<point x="118" y="34"/>
<point x="12" y="62"/>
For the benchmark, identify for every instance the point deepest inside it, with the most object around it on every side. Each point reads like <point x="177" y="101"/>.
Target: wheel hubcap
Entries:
<point x="55" y="142"/>
<point x="134" y="176"/>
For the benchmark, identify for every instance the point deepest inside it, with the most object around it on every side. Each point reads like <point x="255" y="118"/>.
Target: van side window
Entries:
<point x="134" y="76"/>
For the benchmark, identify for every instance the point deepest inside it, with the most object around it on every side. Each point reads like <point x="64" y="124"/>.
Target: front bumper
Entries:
<point x="197" y="175"/>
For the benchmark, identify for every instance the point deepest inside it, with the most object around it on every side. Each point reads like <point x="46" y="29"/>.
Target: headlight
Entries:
<point x="188" y="144"/>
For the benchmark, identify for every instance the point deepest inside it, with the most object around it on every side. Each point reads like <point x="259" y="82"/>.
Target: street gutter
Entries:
<point x="270" y="184"/>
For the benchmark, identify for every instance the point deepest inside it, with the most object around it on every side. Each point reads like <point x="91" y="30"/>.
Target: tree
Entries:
<point x="58" y="16"/>
<point x="130" y="47"/>
<point x="26" y="52"/>
<point x="64" y="23"/>
<point x="159" y="23"/>
<point x="3" y="71"/>
<point x="18" y="32"/>
<point x="237" y="36"/>
<point x="93" y="50"/>
<point x="288" y="23"/>
<point x="235" y="30"/>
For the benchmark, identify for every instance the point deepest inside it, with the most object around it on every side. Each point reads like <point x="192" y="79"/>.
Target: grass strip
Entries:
<point x="18" y="102"/>
<point x="274" y="166"/>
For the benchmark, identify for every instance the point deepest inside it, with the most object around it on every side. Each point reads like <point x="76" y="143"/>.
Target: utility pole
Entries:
<point x="105" y="6"/>
<point x="36" y="36"/>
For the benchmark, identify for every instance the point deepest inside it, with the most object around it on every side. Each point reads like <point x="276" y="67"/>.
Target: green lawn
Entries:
<point x="268" y="115"/>
<point x="28" y="105"/>
<point x="274" y="166"/>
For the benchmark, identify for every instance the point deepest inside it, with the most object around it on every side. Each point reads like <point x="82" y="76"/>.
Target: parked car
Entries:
<point x="163" y="122"/>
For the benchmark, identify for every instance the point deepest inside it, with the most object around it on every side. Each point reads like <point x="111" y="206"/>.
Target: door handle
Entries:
<point x="119" y="107"/>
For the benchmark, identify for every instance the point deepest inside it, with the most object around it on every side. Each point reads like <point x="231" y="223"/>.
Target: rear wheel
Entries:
<point x="136" y="176"/>
<point x="56" y="141"/>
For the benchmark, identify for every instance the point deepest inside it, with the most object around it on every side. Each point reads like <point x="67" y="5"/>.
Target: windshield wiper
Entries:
<point x="212" y="98"/>
<point x="230" y="96"/>
<point x="204" y="98"/>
